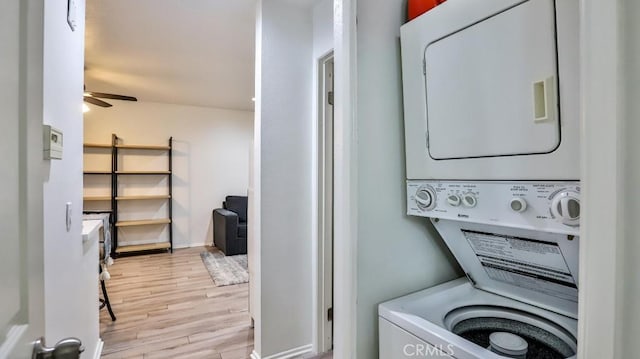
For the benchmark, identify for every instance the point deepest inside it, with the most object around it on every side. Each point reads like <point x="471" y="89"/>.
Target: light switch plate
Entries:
<point x="72" y="14"/>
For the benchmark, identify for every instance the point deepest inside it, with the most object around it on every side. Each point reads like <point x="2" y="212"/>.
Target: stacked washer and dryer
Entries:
<point x="491" y="96"/>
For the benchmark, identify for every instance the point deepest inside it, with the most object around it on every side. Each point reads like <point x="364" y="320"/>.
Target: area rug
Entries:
<point x="226" y="270"/>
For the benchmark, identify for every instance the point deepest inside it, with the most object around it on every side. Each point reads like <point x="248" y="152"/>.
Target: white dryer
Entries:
<point x="518" y="245"/>
<point x="491" y="90"/>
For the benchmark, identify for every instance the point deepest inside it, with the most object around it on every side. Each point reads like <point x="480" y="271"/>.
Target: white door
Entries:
<point x="492" y="86"/>
<point x="21" y="255"/>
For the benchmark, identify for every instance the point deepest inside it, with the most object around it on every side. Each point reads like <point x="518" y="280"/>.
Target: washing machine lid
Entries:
<point x="538" y="268"/>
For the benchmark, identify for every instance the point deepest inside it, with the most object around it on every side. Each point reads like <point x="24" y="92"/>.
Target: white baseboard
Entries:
<point x="189" y="245"/>
<point x="291" y="353"/>
<point x="98" y="351"/>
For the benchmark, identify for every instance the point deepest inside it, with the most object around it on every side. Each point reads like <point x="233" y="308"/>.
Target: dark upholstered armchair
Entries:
<point x="230" y="226"/>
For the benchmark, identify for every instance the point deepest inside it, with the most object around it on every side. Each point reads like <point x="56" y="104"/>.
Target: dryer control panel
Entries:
<point x="548" y="206"/>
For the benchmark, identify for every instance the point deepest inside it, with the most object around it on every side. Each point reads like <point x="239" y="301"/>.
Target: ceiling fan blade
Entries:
<point x="97" y="102"/>
<point x="112" y="96"/>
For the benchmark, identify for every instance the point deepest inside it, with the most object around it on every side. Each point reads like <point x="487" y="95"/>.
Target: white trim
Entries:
<point x="315" y="204"/>
<point x="291" y="353"/>
<point x="254" y="247"/>
<point x="12" y="339"/>
<point x="601" y="127"/>
<point x="191" y="245"/>
<point x="345" y="173"/>
<point x="99" y="346"/>
<point x="322" y="277"/>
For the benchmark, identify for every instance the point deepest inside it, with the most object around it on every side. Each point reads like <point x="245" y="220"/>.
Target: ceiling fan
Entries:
<point x="94" y="98"/>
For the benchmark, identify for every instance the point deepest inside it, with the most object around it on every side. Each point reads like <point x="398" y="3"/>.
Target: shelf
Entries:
<point x="119" y="151"/>
<point x="144" y="147"/>
<point x="96" y="145"/>
<point x="96" y="198"/>
<point x="143" y="172"/>
<point x="127" y="198"/>
<point x="143" y="247"/>
<point x="143" y="222"/>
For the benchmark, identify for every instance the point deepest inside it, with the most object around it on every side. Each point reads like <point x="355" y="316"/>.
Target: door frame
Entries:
<point x="345" y="260"/>
<point x="323" y="289"/>
<point x="602" y="154"/>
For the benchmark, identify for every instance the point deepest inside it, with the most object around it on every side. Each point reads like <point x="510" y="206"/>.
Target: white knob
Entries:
<point x="518" y="204"/>
<point x="453" y="200"/>
<point x="566" y="207"/>
<point x="469" y="200"/>
<point x="425" y="199"/>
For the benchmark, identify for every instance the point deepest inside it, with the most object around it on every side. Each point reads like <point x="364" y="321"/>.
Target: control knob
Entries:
<point x="453" y="200"/>
<point x="565" y="206"/>
<point x="425" y="198"/>
<point x="518" y="205"/>
<point x="469" y="200"/>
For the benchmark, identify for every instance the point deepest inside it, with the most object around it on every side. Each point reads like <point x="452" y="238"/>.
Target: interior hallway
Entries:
<point x="168" y="307"/>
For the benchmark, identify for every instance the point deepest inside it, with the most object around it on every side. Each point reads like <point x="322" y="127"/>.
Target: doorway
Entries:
<point x="161" y="178"/>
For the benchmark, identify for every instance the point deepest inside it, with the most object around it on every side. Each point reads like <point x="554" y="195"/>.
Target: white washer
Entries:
<point x="518" y="245"/>
<point x="420" y="325"/>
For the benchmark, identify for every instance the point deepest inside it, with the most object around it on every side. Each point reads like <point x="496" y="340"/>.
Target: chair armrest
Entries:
<point x="225" y="227"/>
<point x="225" y="213"/>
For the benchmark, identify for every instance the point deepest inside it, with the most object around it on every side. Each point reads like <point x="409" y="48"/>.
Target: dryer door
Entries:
<point x="492" y="87"/>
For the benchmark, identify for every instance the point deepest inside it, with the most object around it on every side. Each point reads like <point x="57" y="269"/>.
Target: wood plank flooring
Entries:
<point x="168" y="307"/>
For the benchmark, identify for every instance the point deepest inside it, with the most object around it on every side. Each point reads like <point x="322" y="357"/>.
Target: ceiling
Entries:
<point x="189" y="52"/>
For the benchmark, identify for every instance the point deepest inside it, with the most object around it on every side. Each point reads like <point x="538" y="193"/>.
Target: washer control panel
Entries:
<point x="552" y="206"/>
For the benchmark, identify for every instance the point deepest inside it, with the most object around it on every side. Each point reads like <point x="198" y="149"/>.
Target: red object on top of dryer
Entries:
<point x="419" y="7"/>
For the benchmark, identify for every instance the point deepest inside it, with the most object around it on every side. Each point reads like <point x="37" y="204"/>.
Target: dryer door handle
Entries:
<point x="543" y="99"/>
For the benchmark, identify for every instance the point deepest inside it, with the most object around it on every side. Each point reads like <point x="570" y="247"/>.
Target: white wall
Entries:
<point x="210" y="161"/>
<point x="396" y="254"/>
<point x="71" y="269"/>
<point x="322" y="15"/>
<point x="284" y="119"/>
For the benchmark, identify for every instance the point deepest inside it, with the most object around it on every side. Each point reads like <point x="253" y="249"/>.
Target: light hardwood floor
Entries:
<point x="168" y="307"/>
